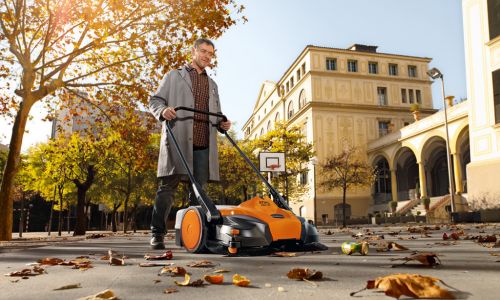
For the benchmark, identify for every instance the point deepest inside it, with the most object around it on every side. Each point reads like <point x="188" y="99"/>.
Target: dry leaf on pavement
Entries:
<point x="115" y="259"/>
<point x="170" y="291"/>
<point x="155" y="264"/>
<point x="240" y="280"/>
<point x="284" y="254"/>
<point x="411" y="285"/>
<point x="104" y="295"/>
<point x="173" y="271"/>
<point x="68" y="287"/>
<point x="487" y="239"/>
<point x="187" y="282"/>
<point x="165" y="256"/>
<point x="50" y="261"/>
<point x="221" y="271"/>
<point x="304" y="274"/>
<point x="214" y="279"/>
<point x="426" y="258"/>
<point x="201" y="264"/>
<point x="27" y="272"/>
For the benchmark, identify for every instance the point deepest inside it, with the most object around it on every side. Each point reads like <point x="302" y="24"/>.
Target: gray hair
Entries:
<point x="203" y="41"/>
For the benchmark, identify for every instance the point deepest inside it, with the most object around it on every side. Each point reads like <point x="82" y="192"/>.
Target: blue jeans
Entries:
<point x="167" y="186"/>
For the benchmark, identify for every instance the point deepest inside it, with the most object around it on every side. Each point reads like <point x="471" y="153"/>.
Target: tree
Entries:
<point x="236" y="176"/>
<point x="3" y="160"/>
<point x="112" y="46"/>
<point x="291" y="141"/>
<point x="345" y="170"/>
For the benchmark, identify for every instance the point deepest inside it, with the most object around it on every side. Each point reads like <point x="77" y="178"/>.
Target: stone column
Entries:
<point x="422" y="179"/>
<point x="394" y="185"/>
<point x="457" y="168"/>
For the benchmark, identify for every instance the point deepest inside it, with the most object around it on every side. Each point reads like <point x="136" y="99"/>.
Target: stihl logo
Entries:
<point x="264" y="203"/>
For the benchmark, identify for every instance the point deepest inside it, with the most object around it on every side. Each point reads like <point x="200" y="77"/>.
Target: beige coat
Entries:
<point x="176" y="90"/>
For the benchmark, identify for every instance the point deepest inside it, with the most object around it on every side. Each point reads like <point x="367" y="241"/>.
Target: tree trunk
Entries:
<point x="49" y="226"/>
<point x="81" y="218"/>
<point x="11" y="169"/>
<point x="60" y="220"/>
<point x="113" y="220"/>
<point x="68" y="214"/>
<point x="125" y="215"/>
<point x="134" y="218"/>
<point x="344" y="190"/>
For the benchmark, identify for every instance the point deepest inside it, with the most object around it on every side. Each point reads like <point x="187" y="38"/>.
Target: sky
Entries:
<point x="278" y="30"/>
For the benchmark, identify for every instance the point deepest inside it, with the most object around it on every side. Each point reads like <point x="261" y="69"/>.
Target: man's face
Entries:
<point x="202" y="56"/>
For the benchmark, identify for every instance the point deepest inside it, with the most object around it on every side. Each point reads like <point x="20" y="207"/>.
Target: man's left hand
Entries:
<point x="225" y="125"/>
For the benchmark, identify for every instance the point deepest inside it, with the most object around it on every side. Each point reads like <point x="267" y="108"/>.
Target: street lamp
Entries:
<point x="314" y="162"/>
<point x="434" y="73"/>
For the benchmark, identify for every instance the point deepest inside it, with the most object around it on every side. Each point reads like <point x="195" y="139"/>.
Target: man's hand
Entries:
<point x="225" y="125"/>
<point x="168" y="113"/>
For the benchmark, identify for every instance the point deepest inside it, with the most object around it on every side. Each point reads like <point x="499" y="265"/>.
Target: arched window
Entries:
<point x="269" y="124"/>
<point x="290" y="109"/>
<point x="302" y="99"/>
<point x="262" y="131"/>
<point x="277" y="117"/>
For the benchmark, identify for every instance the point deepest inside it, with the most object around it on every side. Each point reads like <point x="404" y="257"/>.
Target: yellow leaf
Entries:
<point x="411" y="285"/>
<point x="240" y="280"/>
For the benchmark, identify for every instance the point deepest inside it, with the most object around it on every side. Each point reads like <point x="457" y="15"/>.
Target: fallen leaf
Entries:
<point x="214" y="279"/>
<point x="68" y="287"/>
<point x="328" y="232"/>
<point x="445" y="236"/>
<point x="454" y="236"/>
<point x="487" y="239"/>
<point x="174" y="271"/>
<point x="95" y="236"/>
<point x="50" y="261"/>
<point x="284" y="254"/>
<point x="115" y="259"/>
<point x="426" y="258"/>
<point x="396" y="246"/>
<point x="221" y="271"/>
<point x="186" y="282"/>
<point x="165" y="256"/>
<point x="27" y="272"/>
<point x="201" y="264"/>
<point x="170" y="291"/>
<point x="411" y="285"/>
<point x="303" y="274"/>
<point x="156" y="281"/>
<point x="104" y="295"/>
<point x="155" y="264"/>
<point x="240" y="280"/>
<point x="281" y="289"/>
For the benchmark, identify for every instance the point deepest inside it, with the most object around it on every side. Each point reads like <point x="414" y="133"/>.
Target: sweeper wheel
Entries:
<point x="193" y="231"/>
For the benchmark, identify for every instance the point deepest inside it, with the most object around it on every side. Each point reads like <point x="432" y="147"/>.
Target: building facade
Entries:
<point x="337" y="96"/>
<point x="482" y="56"/>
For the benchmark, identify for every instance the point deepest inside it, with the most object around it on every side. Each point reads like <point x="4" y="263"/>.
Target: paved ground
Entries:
<point x="466" y="265"/>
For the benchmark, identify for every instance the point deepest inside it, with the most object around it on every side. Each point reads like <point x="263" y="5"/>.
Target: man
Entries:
<point x="189" y="86"/>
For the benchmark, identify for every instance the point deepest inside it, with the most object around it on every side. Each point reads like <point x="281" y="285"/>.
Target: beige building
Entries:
<point x="482" y="55"/>
<point x="354" y="95"/>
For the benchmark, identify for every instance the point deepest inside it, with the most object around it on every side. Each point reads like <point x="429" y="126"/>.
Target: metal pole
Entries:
<point x="448" y="156"/>
<point x="314" y="187"/>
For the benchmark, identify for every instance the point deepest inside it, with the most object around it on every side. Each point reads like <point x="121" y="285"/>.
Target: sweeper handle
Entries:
<point x="277" y="198"/>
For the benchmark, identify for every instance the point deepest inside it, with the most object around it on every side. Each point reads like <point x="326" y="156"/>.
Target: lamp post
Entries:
<point x="434" y="73"/>
<point x="314" y="162"/>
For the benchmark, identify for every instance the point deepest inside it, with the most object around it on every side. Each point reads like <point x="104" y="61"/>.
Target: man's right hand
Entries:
<point x="168" y="113"/>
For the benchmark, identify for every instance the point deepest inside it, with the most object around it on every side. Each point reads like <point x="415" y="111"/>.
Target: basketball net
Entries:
<point x="273" y="167"/>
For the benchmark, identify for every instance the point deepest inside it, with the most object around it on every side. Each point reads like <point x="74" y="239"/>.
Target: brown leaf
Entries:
<point x="68" y="287"/>
<point x="240" y="280"/>
<point x="426" y="258"/>
<point x="411" y="285"/>
<point x="186" y="282"/>
<point x="396" y="246"/>
<point x="165" y="256"/>
<point x="201" y="264"/>
<point x="221" y="271"/>
<point x="27" y="272"/>
<point x="114" y="261"/>
<point x="284" y="254"/>
<point x="104" y="295"/>
<point x="50" y="261"/>
<point x="487" y="239"/>
<point x="302" y="274"/>
<point x="170" y="290"/>
<point x="155" y="264"/>
<point x="174" y="271"/>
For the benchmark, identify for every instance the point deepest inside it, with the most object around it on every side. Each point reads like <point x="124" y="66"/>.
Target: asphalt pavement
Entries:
<point x="466" y="265"/>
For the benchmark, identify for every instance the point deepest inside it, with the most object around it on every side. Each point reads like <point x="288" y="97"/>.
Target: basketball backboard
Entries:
<point x="272" y="161"/>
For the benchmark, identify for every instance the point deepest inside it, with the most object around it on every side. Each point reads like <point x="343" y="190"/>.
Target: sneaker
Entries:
<point x="157" y="242"/>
